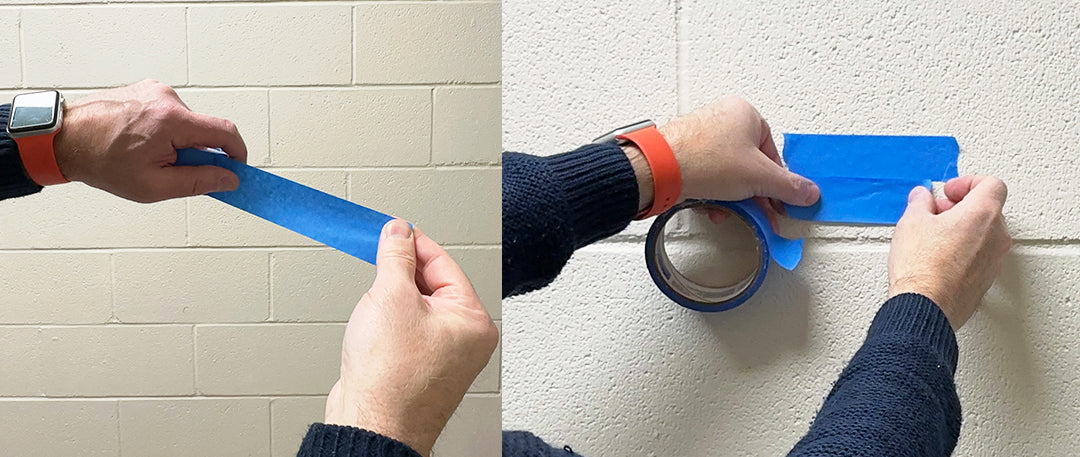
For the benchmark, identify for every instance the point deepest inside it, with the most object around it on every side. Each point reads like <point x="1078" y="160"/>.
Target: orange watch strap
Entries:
<point x="667" y="178"/>
<point x="39" y="159"/>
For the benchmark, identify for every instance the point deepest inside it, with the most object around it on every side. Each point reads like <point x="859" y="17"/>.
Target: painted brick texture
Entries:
<point x="617" y="359"/>
<point x="188" y="327"/>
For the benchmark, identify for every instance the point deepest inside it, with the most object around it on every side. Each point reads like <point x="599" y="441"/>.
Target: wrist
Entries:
<point x="348" y="410"/>
<point x="642" y="173"/>
<point x="67" y="144"/>
<point x="930" y="289"/>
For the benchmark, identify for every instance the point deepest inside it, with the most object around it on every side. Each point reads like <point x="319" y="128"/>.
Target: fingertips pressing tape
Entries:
<point x="340" y="224"/>
<point x="684" y="291"/>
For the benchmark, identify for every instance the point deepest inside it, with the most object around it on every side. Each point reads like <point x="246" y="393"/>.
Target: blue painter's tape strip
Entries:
<point x="338" y="223"/>
<point x="787" y="253"/>
<point x="866" y="178"/>
<point x="858" y="200"/>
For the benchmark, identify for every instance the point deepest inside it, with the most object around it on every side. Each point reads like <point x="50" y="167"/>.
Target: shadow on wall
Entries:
<point x="774" y="321"/>
<point x="1003" y="384"/>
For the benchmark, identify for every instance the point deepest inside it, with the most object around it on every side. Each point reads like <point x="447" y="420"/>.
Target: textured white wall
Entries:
<point x="601" y="361"/>
<point x="188" y="327"/>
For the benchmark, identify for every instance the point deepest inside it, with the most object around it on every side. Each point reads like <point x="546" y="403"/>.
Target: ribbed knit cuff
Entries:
<point x="14" y="182"/>
<point x="525" y="444"/>
<point x="917" y="316"/>
<point x="600" y="190"/>
<point x="325" y="440"/>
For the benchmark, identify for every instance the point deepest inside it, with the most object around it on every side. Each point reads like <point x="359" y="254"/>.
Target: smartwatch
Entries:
<point x="667" y="179"/>
<point x="35" y="120"/>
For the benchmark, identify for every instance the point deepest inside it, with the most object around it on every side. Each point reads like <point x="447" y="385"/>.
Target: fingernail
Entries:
<point x="809" y="191"/>
<point x="915" y="193"/>
<point x="398" y="228"/>
<point x="228" y="183"/>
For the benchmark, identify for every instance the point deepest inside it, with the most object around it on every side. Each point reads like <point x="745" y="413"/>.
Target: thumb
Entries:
<point x="396" y="260"/>
<point x="788" y="187"/>
<point x="920" y="201"/>
<point x="187" y="181"/>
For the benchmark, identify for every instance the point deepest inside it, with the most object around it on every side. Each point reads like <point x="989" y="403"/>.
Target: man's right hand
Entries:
<point x="413" y="345"/>
<point x="951" y="249"/>
<point x="124" y="141"/>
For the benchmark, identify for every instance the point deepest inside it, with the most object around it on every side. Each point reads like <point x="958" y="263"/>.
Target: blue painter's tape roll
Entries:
<point x="680" y="289"/>
<point x="338" y="223"/>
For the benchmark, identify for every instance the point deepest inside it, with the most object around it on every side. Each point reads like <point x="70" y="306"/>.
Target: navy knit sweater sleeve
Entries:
<point x="323" y="440"/>
<point x="554" y="205"/>
<point x="896" y="396"/>
<point x="13" y="179"/>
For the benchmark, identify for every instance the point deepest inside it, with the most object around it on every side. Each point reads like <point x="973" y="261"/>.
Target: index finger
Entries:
<point x="200" y="130"/>
<point x="977" y="186"/>
<point x="767" y="145"/>
<point x="437" y="270"/>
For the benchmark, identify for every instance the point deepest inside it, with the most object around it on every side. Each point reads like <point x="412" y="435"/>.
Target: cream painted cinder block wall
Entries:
<point x="188" y="327"/>
<point x="603" y="362"/>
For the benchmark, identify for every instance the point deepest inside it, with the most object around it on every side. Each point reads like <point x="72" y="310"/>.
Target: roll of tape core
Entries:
<point x="686" y="292"/>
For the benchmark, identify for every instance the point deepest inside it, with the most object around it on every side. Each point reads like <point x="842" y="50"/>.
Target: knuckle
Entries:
<point x="487" y="334"/>
<point x="165" y="89"/>
<point x="400" y="255"/>
<point x="168" y="112"/>
<point x="230" y="126"/>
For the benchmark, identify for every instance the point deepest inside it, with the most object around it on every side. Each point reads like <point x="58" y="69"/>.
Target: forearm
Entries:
<point x="896" y="397"/>
<point x="555" y="205"/>
<point x="323" y="440"/>
<point x="13" y="179"/>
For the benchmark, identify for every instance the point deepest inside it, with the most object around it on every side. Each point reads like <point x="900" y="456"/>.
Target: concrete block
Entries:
<point x="483" y="266"/>
<point x="368" y="127"/>
<point x="325" y="285"/>
<point x="268" y="359"/>
<point x="453" y="206"/>
<point x="475" y="429"/>
<point x="249" y="109"/>
<point x="78" y="216"/>
<point x="55" y="287"/>
<point x="468" y="125"/>
<point x="865" y="68"/>
<point x="69" y="44"/>
<point x="289" y="420"/>
<point x="96" y="361"/>
<point x="321" y="286"/>
<point x="59" y="427"/>
<point x="213" y="223"/>
<point x="284" y="44"/>
<point x="608" y="76"/>
<point x="427" y="42"/>
<point x="11" y="74"/>
<point x="191" y="286"/>
<point x="1016" y="374"/>
<point x="186" y="427"/>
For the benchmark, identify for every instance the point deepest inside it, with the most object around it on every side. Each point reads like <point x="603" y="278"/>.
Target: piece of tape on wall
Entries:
<point x="866" y="179"/>
<point x="338" y="223"/>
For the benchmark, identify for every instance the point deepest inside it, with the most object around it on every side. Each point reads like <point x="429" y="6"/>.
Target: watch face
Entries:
<point x="36" y="111"/>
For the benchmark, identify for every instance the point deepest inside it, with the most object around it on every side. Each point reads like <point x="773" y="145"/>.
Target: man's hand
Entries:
<point x="413" y="345"/>
<point x="950" y="249"/>
<point x="726" y="152"/>
<point x="124" y="141"/>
